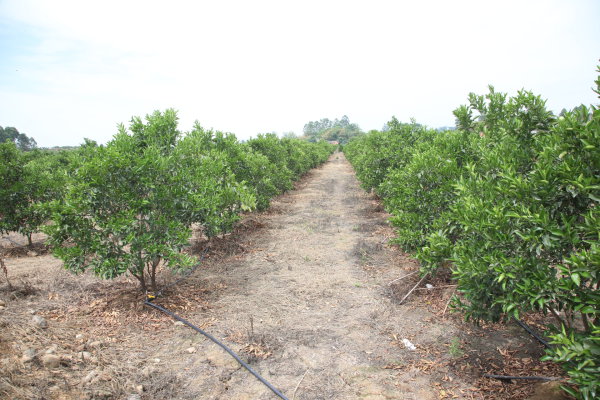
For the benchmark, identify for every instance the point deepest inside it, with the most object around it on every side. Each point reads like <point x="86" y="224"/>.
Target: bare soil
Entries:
<point x="302" y="292"/>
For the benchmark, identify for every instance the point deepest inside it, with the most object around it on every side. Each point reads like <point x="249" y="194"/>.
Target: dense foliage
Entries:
<point x="510" y="201"/>
<point x="248" y="166"/>
<point x="128" y="206"/>
<point x="21" y="140"/>
<point x="26" y="181"/>
<point x="290" y="157"/>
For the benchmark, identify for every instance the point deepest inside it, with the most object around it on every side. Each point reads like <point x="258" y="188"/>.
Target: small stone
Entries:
<point x="51" y="361"/>
<point x="89" y="377"/>
<point x="31" y="312"/>
<point x="104" y="394"/>
<point x="79" y="336"/>
<point x="28" y="356"/>
<point x="157" y="360"/>
<point x="52" y="349"/>
<point x="2" y="303"/>
<point x="178" y="323"/>
<point x="139" y="389"/>
<point x="191" y="350"/>
<point x="40" y="322"/>
<point x="32" y="254"/>
<point x="95" y="344"/>
<point x="148" y="371"/>
<point x="134" y="397"/>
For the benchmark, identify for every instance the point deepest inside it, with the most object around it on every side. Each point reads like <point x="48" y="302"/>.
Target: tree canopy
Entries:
<point x="340" y="130"/>
<point x="21" y="140"/>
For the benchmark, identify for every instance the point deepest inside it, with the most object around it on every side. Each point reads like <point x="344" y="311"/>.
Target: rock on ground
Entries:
<point x="50" y="360"/>
<point x="40" y="322"/>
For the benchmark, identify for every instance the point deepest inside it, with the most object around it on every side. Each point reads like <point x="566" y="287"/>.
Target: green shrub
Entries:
<point x="28" y="179"/>
<point x="422" y="191"/>
<point x="291" y="157"/>
<point x="375" y="154"/>
<point x="130" y="205"/>
<point x="579" y="353"/>
<point x="510" y="203"/>
<point x="249" y="167"/>
<point x="271" y="147"/>
<point x="12" y="190"/>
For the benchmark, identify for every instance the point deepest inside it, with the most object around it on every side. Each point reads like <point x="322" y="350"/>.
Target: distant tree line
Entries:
<point x="340" y="130"/>
<point x="21" y="140"/>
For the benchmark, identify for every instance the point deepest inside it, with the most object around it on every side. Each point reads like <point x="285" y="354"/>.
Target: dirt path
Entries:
<point x="302" y="292"/>
<point x="309" y="303"/>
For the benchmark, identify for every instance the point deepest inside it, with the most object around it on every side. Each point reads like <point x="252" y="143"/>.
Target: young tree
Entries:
<point x="130" y="205"/>
<point x="27" y="180"/>
<point x="249" y="167"/>
<point x="12" y="198"/>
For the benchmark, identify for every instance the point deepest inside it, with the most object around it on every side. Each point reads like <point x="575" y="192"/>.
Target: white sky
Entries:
<point x="74" y="69"/>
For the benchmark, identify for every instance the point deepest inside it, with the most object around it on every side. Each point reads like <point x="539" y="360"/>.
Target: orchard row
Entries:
<point x="510" y="202"/>
<point x="129" y="205"/>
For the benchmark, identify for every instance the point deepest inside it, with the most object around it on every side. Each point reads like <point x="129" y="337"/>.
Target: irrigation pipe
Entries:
<point x="532" y="333"/>
<point x="215" y="340"/>
<point x="528" y="378"/>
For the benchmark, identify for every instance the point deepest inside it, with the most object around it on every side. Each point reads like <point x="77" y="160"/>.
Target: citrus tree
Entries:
<point x="12" y="190"/>
<point x="130" y="204"/>
<point x="249" y="167"/>
<point x="510" y="202"/>
<point x="28" y="179"/>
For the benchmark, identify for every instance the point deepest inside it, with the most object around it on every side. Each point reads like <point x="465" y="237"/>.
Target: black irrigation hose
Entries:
<point x="529" y="378"/>
<point x="227" y="349"/>
<point x="538" y="337"/>
<point x="532" y="333"/>
<point x="148" y="302"/>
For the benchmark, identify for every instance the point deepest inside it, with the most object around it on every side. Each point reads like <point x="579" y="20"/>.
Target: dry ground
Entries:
<point x="302" y="292"/>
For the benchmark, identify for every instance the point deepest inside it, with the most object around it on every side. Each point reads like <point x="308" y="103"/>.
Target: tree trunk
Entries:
<point x="142" y="281"/>
<point x="29" y="242"/>
<point x="153" y="280"/>
<point x="152" y="272"/>
<point x="139" y="272"/>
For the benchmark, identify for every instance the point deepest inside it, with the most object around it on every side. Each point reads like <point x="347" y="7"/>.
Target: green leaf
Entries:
<point x="575" y="278"/>
<point x="593" y="197"/>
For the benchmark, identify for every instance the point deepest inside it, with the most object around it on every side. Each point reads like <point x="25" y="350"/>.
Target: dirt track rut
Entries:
<point x="309" y="303"/>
